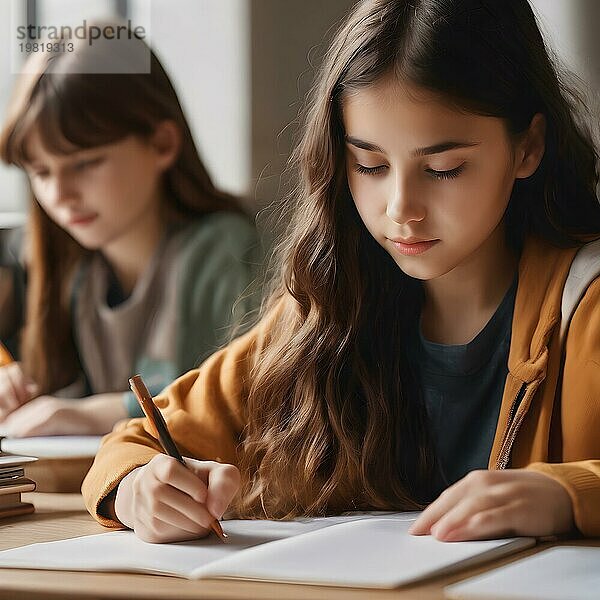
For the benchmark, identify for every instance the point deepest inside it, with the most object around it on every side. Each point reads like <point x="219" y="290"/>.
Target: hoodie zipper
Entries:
<point x="512" y="428"/>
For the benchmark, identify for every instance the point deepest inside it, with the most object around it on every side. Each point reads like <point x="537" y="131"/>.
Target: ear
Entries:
<point x="166" y="142"/>
<point x="530" y="149"/>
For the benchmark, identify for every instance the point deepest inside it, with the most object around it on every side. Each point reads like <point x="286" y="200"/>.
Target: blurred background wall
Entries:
<point x="572" y="27"/>
<point x="242" y="68"/>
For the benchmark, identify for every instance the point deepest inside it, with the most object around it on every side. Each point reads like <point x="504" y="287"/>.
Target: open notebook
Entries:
<point x="364" y="550"/>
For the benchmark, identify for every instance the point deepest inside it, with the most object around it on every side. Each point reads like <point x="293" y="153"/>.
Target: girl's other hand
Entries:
<point x="496" y="504"/>
<point x="15" y="389"/>
<point x="165" y="501"/>
<point x="48" y="415"/>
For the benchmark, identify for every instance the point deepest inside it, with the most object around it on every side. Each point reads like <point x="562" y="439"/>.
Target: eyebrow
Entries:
<point x="426" y="151"/>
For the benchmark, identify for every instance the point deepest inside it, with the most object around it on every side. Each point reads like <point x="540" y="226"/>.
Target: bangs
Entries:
<point x="71" y="113"/>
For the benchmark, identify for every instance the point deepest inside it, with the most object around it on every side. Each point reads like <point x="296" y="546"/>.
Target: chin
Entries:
<point x="88" y="243"/>
<point x="422" y="271"/>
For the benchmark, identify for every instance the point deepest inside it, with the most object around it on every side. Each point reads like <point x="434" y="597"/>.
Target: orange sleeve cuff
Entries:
<point x="582" y="481"/>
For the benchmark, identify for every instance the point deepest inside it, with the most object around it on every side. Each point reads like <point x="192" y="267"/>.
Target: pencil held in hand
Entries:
<point x="155" y="417"/>
<point x="157" y="422"/>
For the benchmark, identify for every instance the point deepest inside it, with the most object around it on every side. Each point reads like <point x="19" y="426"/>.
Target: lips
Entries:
<point x="413" y="246"/>
<point x="411" y="240"/>
<point x="81" y="219"/>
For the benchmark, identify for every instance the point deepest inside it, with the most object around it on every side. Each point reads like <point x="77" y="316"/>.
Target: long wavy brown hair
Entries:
<point x="79" y="109"/>
<point x="333" y="424"/>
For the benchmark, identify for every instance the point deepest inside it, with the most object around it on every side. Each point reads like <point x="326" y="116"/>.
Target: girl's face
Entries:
<point x="97" y="195"/>
<point x="431" y="183"/>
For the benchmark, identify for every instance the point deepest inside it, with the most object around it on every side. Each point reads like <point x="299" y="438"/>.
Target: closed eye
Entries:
<point x="369" y="170"/>
<point x="88" y="163"/>
<point x="451" y="174"/>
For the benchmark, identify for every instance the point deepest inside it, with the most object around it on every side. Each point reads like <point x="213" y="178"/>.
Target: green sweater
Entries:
<point x="196" y="290"/>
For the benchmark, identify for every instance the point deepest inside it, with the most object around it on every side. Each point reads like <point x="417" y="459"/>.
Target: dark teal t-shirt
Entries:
<point x="462" y="387"/>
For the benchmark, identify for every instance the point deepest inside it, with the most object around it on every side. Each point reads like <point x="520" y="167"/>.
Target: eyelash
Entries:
<point x="369" y="170"/>
<point x="451" y="174"/>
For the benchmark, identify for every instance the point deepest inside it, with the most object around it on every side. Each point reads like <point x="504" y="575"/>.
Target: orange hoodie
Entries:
<point x="546" y="423"/>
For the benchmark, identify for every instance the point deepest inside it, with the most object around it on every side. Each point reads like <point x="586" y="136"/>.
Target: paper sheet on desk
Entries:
<point x="562" y="573"/>
<point x="123" y="551"/>
<point x="358" y="551"/>
<point x="56" y="446"/>
<point x="370" y="553"/>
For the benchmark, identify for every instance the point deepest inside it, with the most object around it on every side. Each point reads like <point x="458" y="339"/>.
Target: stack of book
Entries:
<point x="12" y="484"/>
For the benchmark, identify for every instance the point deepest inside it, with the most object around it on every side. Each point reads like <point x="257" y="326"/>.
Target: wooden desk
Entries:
<point x="60" y="516"/>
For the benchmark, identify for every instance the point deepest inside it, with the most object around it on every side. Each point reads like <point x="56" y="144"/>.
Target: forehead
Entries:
<point x="382" y="112"/>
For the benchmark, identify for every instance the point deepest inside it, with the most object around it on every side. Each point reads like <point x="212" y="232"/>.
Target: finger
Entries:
<point x="169" y="470"/>
<point x="4" y="410"/>
<point x="494" y="523"/>
<point x="37" y="429"/>
<point x="222" y="480"/>
<point x="33" y="390"/>
<point x="180" y="510"/>
<point x="173" y="518"/>
<point x="202" y="468"/>
<point x="17" y="380"/>
<point x="223" y="485"/>
<point x="156" y="531"/>
<point x="33" y="419"/>
<point x="10" y="399"/>
<point x="467" y="507"/>
<point x="437" y="509"/>
<point x="18" y="425"/>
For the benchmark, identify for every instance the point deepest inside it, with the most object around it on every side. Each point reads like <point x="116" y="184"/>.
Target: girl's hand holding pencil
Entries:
<point x="165" y="501"/>
<point x="171" y="498"/>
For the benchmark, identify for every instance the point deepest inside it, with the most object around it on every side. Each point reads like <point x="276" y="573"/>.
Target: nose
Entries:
<point x="61" y="190"/>
<point x="403" y="206"/>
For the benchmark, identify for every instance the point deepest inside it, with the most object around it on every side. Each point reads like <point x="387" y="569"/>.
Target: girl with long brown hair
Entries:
<point x="409" y="353"/>
<point x="134" y="259"/>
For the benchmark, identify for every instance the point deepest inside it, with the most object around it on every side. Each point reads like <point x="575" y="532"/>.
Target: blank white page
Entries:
<point x="123" y="551"/>
<point x="372" y="553"/>
<point x="561" y="573"/>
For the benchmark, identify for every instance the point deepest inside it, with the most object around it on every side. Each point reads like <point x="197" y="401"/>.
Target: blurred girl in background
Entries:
<point x="134" y="258"/>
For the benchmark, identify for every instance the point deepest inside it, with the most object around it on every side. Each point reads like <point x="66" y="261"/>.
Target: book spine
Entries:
<point x="24" y="508"/>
